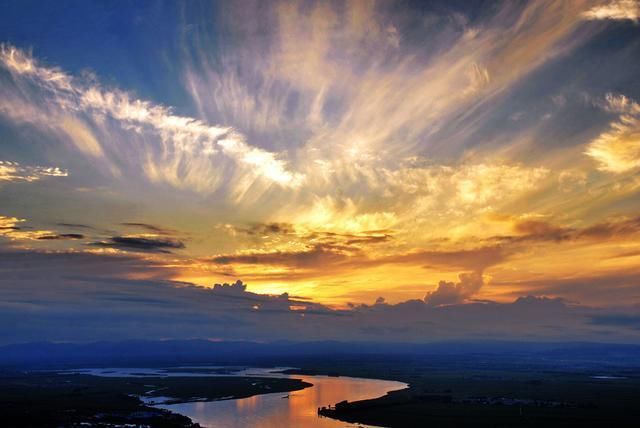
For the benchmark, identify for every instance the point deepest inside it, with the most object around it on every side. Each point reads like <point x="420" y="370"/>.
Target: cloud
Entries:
<point x="340" y="130"/>
<point x="15" y="229"/>
<point x="149" y="228"/>
<point x="285" y="245"/>
<point x="70" y="296"/>
<point x="620" y="228"/>
<point x="314" y="257"/>
<point x="332" y="265"/>
<point x="62" y="236"/>
<point x="337" y="147"/>
<point x="542" y="230"/>
<point x="187" y="152"/>
<point x="545" y="231"/>
<point x="571" y="181"/>
<point x="353" y="106"/>
<point x="11" y="228"/>
<point x="237" y="287"/>
<point x="617" y="286"/>
<point x="357" y="89"/>
<point x="333" y="257"/>
<point x="9" y="223"/>
<point x="145" y="243"/>
<point x="75" y="225"/>
<point x="615" y="10"/>
<point x="474" y="258"/>
<point x="263" y="229"/>
<point x="82" y="137"/>
<point x="325" y="250"/>
<point x="531" y="231"/>
<point x="449" y="293"/>
<point x="618" y="149"/>
<point x="14" y="172"/>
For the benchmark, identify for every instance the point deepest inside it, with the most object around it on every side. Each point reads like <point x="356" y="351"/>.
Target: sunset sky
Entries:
<point x="369" y="170"/>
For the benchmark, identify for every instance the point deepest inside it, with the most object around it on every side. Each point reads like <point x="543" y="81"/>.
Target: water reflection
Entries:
<point x="247" y="405"/>
<point x="282" y="410"/>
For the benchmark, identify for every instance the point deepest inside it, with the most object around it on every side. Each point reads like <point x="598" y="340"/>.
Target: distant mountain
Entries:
<point x="175" y="352"/>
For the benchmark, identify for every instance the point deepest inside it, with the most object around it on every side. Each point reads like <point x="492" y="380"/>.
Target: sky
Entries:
<point x="359" y="170"/>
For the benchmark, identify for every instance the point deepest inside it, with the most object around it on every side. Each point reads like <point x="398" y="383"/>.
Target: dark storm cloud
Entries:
<point x="81" y="297"/>
<point x="237" y="287"/>
<point x="319" y="254"/>
<point x="61" y="236"/>
<point x="544" y="231"/>
<point x="141" y="243"/>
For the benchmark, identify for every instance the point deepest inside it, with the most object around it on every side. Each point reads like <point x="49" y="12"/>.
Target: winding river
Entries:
<point x="299" y="409"/>
<point x="280" y="410"/>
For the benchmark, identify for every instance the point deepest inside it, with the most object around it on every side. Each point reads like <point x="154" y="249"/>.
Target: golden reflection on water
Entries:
<point x="299" y="409"/>
<point x="247" y="404"/>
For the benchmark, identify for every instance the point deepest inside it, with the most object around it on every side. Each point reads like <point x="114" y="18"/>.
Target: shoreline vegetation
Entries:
<point x="69" y="400"/>
<point x="488" y="394"/>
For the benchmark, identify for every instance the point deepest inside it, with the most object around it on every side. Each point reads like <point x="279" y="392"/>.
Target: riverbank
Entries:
<point x="487" y="392"/>
<point x="292" y="410"/>
<point x="51" y="399"/>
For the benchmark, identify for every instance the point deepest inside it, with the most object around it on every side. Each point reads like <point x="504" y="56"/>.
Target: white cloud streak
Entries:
<point x="617" y="150"/>
<point x="186" y="152"/>
<point x="616" y="10"/>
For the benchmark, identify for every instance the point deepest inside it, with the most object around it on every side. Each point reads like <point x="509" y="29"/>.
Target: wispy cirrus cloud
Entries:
<point x="186" y="153"/>
<point x="343" y="150"/>
<point x="617" y="150"/>
<point x="355" y="96"/>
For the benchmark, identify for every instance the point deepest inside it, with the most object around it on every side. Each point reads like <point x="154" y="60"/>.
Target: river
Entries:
<point x="278" y="410"/>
